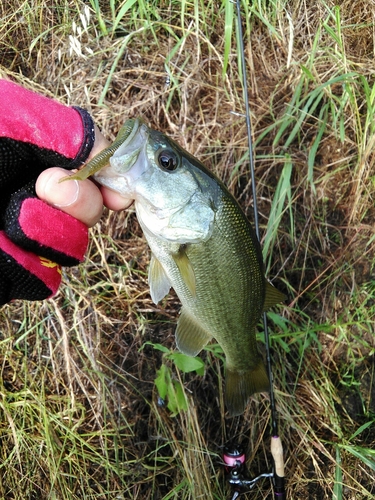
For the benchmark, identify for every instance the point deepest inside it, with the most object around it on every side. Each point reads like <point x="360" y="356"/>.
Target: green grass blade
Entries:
<point x="361" y="429"/>
<point x="121" y="13"/>
<point x="119" y="56"/>
<point x="228" y="28"/>
<point x="315" y="146"/>
<point x="282" y="193"/>
<point x="102" y="24"/>
<point x="337" y="489"/>
<point x="366" y="455"/>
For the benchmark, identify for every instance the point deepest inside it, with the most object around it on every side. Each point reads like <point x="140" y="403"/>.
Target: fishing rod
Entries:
<point x="233" y="456"/>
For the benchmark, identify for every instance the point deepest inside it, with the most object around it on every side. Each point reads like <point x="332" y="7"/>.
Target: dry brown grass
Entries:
<point x="78" y="406"/>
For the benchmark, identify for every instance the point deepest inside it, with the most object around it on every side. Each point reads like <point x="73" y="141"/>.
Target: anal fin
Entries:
<point x="190" y="336"/>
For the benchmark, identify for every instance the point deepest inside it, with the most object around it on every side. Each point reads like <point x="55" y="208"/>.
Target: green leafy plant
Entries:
<point x="169" y="387"/>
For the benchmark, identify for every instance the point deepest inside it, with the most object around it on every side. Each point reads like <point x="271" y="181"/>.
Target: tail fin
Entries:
<point x="240" y="385"/>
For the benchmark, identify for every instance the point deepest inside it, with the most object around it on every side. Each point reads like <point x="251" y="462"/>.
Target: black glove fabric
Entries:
<point x="36" y="239"/>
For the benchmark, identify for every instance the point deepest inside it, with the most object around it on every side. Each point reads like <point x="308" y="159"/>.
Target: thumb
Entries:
<point x="80" y="199"/>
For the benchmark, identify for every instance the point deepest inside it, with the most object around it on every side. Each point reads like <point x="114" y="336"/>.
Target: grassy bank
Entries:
<point x="80" y="416"/>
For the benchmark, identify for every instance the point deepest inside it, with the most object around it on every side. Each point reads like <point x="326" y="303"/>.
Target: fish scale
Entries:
<point x="234" y="274"/>
<point x="202" y="245"/>
<point x="229" y="297"/>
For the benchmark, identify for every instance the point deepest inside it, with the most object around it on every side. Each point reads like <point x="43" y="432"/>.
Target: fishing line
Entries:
<point x="235" y="462"/>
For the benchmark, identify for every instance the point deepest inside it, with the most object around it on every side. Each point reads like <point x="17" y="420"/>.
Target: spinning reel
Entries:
<point x="234" y="460"/>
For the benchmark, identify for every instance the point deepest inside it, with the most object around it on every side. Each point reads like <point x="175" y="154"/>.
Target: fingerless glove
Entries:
<point x="36" y="239"/>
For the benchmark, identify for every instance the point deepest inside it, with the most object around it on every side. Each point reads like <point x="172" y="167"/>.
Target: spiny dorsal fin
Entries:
<point x="158" y="280"/>
<point x="186" y="269"/>
<point x="190" y="336"/>
<point x="273" y="296"/>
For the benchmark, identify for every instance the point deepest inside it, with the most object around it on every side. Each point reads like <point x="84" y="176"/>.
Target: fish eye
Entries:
<point x="168" y="160"/>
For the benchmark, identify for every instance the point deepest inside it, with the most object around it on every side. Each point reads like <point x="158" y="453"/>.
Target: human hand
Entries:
<point x="37" y="238"/>
<point x="83" y="200"/>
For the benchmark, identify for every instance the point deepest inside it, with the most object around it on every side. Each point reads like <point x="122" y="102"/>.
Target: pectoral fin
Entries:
<point x="190" y="336"/>
<point x="186" y="269"/>
<point x="273" y="296"/>
<point x="158" y="280"/>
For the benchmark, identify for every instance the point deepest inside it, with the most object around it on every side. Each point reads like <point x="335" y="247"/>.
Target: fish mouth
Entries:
<point x="129" y="129"/>
<point x="134" y="135"/>
<point x="128" y="161"/>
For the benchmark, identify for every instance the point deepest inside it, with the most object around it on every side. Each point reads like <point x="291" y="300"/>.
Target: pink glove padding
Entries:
<point x="37" y="227"/>
<point x="36" y="239"/>
<point x="40" y="236"/>
<point x="36" y="278"/>
<point x="34" y="119"/>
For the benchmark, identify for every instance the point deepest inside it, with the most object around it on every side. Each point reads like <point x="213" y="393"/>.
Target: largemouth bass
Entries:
<point x="202" y="245"/>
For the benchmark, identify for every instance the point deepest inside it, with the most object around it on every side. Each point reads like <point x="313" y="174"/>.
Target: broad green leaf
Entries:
<point x="180" y="398"/>
<point x="163" y="381"/>
<point x="187" y="363"/>
<point x="158" y="347"/>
